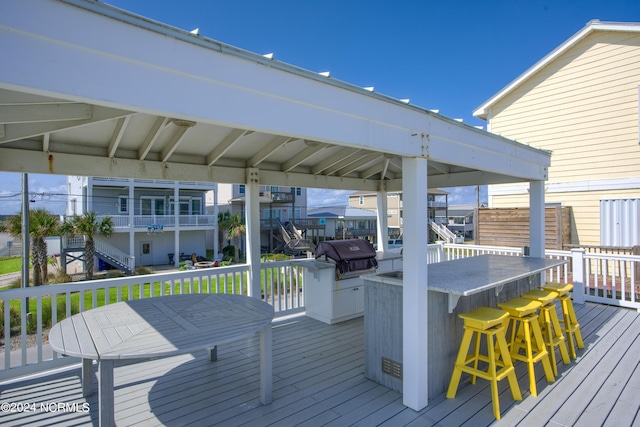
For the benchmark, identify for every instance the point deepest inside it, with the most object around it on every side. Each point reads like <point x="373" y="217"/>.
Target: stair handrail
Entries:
<point x="443" y="231"/>
<point x="115" y="254"/>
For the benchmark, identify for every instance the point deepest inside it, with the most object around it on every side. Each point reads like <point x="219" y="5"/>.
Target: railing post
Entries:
<point x="441" y="254"/>
<point x="577" y="262"/>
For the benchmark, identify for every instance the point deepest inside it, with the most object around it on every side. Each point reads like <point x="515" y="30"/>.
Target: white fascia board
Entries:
<point x="488" y="152"/>
<point x="172" y="74"/>
<point x="483" y="110"/>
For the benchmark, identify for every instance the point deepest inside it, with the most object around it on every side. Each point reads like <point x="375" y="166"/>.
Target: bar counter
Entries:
<point x="454" y="287"/>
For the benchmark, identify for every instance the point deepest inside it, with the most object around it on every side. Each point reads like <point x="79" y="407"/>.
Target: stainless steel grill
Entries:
<point x="352" y="257"/>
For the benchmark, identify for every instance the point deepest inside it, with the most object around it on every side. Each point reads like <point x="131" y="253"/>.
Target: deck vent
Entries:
<point x="392" y="368"/>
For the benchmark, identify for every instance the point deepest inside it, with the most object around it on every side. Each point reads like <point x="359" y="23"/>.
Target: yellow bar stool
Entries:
<point x="569" y="323"/>
<point x="550" y="325"/>
<point x="525" y="338"/>
<point x="490" y="323"/>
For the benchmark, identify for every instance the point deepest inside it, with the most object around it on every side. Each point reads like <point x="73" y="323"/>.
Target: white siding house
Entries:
<point x="581" y="103"/>
<point x="149" y="224"/>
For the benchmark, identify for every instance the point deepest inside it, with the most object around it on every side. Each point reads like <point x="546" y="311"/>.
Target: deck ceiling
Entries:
<point x="92" y="90"/>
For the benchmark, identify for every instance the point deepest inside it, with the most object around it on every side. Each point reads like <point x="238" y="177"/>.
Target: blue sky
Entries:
<point x="444" y="55"/>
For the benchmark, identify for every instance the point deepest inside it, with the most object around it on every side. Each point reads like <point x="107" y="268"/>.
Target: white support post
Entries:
<point x="414" y="298"/>
<point x="536" y="219"/>
<point x="577" y="273"/>
<point x="176" y="215"/>
<point x="216" y="225"/>
<point x="132" y="226"/>
<point x="382" y="225"/>
<point x="252" y="215"/>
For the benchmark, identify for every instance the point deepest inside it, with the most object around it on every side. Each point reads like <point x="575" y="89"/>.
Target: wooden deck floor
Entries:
<point x="318" y="380"/>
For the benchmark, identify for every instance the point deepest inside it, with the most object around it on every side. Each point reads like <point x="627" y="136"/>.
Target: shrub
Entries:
<point x="228" y="252"/>
<point x="143" y="270"/>
<point x="14" y="319"/>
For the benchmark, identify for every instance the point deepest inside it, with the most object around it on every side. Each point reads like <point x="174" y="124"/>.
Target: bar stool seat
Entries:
<point x="550" y="325"/>
<point x="569" y="321"/>
<point x="526" y="337"/>
<point x="489" y="323"/>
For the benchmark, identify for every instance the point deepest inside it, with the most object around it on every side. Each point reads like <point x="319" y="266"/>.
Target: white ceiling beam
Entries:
<point x="18" y="160"/>
<point x="312" y="149"/>
<point x="32" y="113"/>
<point x="118" y="133"/>
<point x="440" y="167"/>
<point x="362" y="161"/>
<point x="45" y="142"/>
<point x="273" y="145"/>
<point x="333" y="159"/>
<point x="381" y="168"/>
<point x="383" y="173"/>
<point x="182" y="126"/>
<point x="152" y="137"/>
<point x="225" y="145"/>
<point x="18" y="131"/>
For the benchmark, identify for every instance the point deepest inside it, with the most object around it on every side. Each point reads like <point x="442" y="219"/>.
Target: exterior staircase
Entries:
<point x="293" y="243"/>
<point x="444" y="233"/>
<point x="104" y="251"/>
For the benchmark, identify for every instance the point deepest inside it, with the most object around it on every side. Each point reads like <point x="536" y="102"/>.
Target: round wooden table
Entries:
<point x="161" y="327"/>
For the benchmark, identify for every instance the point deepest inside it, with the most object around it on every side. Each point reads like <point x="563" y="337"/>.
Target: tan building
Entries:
<point x="581" y="103"/>
<point x="437" y="207"/>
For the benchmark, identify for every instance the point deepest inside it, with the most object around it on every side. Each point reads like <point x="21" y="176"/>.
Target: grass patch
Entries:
<point x="112" y="295"/>
<point x="10" y="265"/>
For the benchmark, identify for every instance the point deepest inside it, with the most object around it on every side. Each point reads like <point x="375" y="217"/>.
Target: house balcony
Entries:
<point x="122" y="223"/>
<point x="436" y="205"/>
<point x="152" y="183"/>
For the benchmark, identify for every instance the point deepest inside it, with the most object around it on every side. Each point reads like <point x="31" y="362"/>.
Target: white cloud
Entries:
<point x="321" y="197"/>
<point x="46" y="191"/>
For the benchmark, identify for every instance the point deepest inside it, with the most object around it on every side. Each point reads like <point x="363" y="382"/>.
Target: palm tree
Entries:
<point x="42" y="224"/>
<point x="235" y="230"/>
<point x="87" y="225"/>
<point x="224" y="220"/>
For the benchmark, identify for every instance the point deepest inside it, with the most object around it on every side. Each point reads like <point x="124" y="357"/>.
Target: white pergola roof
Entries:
<point x="88" y="89"/>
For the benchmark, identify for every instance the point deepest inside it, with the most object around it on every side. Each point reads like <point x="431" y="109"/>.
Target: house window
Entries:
<point x="196" y="206"/>
<point x="241" y="188"/>
<point x="298" y="191"/>
<point x="123" y="204"/>
<point x="361" y="200"/>
<point x="152" y="206"/>
<point x="275" y="188"/>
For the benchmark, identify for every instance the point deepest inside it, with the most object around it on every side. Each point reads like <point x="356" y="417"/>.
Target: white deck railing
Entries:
<point x="612" y="279"/>
<point x="168" y="221"/>
<point x="281" y="284"/>
<point x="603" y="278"/>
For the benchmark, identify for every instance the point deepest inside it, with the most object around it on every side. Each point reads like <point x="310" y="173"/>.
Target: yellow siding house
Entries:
<point x="581" y="103"/>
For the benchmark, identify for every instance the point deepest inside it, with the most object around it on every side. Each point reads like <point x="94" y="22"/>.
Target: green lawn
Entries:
<point x="60" y="300"/>
<point x="10" y="265"/>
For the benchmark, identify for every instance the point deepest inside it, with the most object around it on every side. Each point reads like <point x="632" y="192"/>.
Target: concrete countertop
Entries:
<point x="468" y="276"/>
